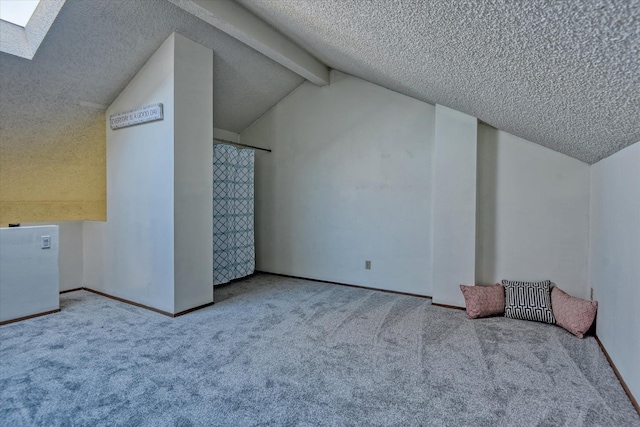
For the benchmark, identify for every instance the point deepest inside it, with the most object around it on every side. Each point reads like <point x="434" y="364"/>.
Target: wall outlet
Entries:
<point x="367" y="265"/>
<point x="591" y="294"/>
<point x="46" y="242"/>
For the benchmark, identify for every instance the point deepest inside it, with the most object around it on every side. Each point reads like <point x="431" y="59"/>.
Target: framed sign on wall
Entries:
<point x="148" y="113"/>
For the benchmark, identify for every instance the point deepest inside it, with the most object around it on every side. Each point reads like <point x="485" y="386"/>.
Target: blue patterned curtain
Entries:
<point x="233" y="238"/>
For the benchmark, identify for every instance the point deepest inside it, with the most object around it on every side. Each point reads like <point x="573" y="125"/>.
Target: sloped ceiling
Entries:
<point x="52" y="150"/>
<point x="563" y="74"/>
<point x="94" y="48"/>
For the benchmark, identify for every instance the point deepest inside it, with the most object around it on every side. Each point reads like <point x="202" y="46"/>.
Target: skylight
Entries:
<point x="17" y="12"/>
<point x="24" y="41"/>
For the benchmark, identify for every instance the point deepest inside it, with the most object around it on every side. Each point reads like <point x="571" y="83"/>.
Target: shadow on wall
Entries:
<point x="486" y="204"/>
<point x="532" y="213"/>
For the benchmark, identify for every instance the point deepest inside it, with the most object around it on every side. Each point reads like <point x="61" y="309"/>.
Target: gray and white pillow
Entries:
<point x="528" y="301"/>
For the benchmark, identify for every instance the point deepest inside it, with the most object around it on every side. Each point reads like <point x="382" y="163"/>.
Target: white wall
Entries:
<point x="193" y="158"/>
<point x="614" y="258"/>
<point x="94" y="258"/>
<point x="454" y="204"/>
<point x="29" y="275"/>
<point x="349" y="180"/>
<point x="226" y="134"/>
<point x="533" y="213"/>
<point x="71" y="264"/>
<point x="139" y="251"/>
<point x="156" y="247"/>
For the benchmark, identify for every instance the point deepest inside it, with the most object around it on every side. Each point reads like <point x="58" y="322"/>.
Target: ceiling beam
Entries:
<point x="238" y="22"/>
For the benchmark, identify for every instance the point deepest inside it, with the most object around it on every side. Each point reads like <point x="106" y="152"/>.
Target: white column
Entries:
<point x="139" y="248"/>
<point x="156" y="247"/>
<point x="454" y="204"/>
<point x="193" y="174"/>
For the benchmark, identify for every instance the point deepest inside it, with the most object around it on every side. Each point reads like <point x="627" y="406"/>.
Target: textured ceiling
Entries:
<point x="94" y="48"/>
<point x="52" y="150"/>
<point x="564" y="74"/>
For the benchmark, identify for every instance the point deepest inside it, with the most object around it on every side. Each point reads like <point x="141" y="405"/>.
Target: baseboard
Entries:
<point x="633" y="400"/>
<point x="194" y="309"/>
<point x="455" y="307"/>
<point x="19" y="319"/>
<point x="71" y="290"/>
<point x="146" y="307"/>
<point x="126" y="301"/>
<point x="346" y="284"/>
<point x="231" y="282"/>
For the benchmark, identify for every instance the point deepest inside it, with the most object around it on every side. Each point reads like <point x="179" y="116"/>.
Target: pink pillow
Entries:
<point x="574" y="314"/>
<point x="483" y="301"/>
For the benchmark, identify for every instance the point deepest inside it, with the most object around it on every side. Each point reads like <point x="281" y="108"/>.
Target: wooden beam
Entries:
<point x="238" y="22"/>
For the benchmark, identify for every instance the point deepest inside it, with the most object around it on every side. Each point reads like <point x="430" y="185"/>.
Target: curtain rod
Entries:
<point x="243" y="145"/>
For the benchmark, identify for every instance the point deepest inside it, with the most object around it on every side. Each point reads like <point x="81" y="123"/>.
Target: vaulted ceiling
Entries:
<point x="94" y="48"/>
<point x="562" y="74"/>
<point x="52" y="149"/>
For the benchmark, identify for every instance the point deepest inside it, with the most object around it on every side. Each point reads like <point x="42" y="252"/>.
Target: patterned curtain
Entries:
<point x="233" y="239"/>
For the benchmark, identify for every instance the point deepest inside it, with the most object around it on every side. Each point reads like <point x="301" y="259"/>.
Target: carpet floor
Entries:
<point x="279" y="351"/>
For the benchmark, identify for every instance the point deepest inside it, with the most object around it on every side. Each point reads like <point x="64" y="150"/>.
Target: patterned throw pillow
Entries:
<point x="483" y="301"/>
<point x="528" y="301"/>
<point x="576" y="315"/>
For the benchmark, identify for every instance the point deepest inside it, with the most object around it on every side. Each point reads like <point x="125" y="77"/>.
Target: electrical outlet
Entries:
<point x="46" y="242"/>
<point x="591" y="294"/>
<point x="367" y="265"/>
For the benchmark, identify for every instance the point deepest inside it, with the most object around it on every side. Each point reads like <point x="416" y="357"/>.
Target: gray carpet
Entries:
<point x="276" y="351"/>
